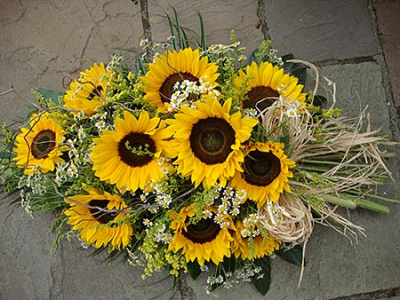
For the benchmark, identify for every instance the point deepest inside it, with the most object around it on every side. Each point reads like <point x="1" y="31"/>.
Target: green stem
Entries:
<point x="339" y="201"/>
<point x="357" y="194"/>
<point x="372" y="206"/>
<point x="324" y="162"/>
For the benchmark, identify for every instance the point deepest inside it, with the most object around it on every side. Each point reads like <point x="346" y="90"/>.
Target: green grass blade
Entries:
<point x="171" y="27"/>
<point x="203" y="35"/>
<point x="178" y="30"/>
<point x="186" y="41"/>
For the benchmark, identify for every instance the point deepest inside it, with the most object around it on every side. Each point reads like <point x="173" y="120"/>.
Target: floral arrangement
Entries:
<point x="194" y="160"/>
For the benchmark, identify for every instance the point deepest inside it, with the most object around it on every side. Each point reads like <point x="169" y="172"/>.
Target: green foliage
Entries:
<point x="50" y="97"/>
<point x="263" y="280"/>
<point x="292" y="255"/>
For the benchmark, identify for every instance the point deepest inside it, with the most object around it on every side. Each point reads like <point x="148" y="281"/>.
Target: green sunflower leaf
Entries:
<point x="50" y="94"/>
<point x="319" y="100"/>
<point x="293" y="255"/>
<point x="194" y="269"/>
<point x="262" y="280"/>
<point x="301" y="74"/>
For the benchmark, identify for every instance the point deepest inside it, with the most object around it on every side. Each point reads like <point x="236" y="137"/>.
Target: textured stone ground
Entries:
<point x="355" y="43"/>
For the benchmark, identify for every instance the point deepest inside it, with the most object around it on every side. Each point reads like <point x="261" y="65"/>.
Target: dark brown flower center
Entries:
<point x="261" y="97"/>
<point x="101" y="216"/>
<point x="167" y="88"/>
<point x="202" y="232"/>
<point x="261" y="168"/>
<point x="43" y="143"/>
<point x="136" y="149"/>
<point x="211" y="140"/>
<point x="96" y="92"/>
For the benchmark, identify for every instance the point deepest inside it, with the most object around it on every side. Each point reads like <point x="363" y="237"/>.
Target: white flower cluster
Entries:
<point x="65" y="171"/>
<point x="26" y="202"/>
<point x="158" y="231"/>
<point x="186" y="91"/>
<point x="135" y="260"/>
<point x="248" y="272"/>
<point x="33" y="181"/>
<point x="162" y="236"/>
<point x="250" y="112"/>
<point x="274" y="58"/>
<point x="250" y="226"/>
<point x="219" y="51"/>
<point x="99" y="122"/>
<point x="115" y="62"/>
<point x="230" y="205"/>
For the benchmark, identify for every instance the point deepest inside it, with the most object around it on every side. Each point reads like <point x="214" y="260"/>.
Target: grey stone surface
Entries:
<point x="321" y="30"/>
<point x="219" y="17"/>
<point x="42" y="41"/>
<point x="358" y="89"/>
<point x="388" y="25"/>
<point x="28" y="272"/>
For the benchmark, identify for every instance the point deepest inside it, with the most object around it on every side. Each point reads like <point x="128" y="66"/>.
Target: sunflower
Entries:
<point x="266" y="172"/>
<point x="175" y="67"/>
<point x="99" y="227"/>
<point x="129" y="156"/>
<point x="39" y="146"/>
<point x="261" y="85"/>
<point x="87" y="92"/>
<point x="204" y="240"/>
<point x="207" y="141"/>
<point x="261" y="245"/>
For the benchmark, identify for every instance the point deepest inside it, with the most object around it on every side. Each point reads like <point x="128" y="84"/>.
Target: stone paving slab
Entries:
<point x="28" y="272"/>
<point x="41" y="41"/>
<point x="387" y="13"/>
<point x="219" y="18"/>
<point x="321" y="30"/>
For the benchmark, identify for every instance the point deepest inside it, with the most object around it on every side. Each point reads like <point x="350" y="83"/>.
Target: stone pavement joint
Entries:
<point x="262" y="19"/>
<point x="375" y="295"/>
<point x="185" y="290"/>
<point x="144" y="10"/>
<point x="345" y="61"/>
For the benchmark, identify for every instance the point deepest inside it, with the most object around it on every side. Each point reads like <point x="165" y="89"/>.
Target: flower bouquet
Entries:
<point x="194" y="160"/>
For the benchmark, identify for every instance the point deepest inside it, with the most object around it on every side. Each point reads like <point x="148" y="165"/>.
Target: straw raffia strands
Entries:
<point x="289" y="220"/>
<point x="340" y="163"/>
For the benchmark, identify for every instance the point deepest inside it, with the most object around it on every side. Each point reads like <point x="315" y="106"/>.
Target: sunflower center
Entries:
<point x="136" y="149"/>
<point x="211" y="140"/>
<point x="96" y="92"/>
<point x="261" y="168"/>
<point x="202" y="232"/>
<point x="101" y="216"/>
<point x="167" y="88"/>
<point x="256" y="94"/>
<point x="43" y="144"/>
